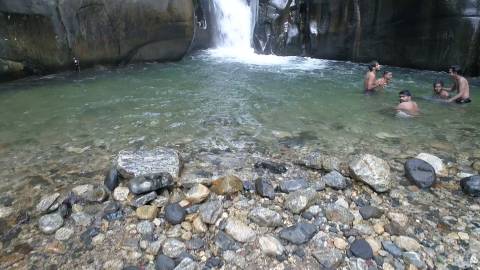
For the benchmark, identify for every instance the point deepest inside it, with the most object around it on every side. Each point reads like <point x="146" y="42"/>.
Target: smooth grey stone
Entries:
<point x="471" y="185"/>
<point x="175" y="214"/>
<point x="264" y="188"/>
<point x="293" y="185"/>
<point x="143" y="199"/>
<point x="361" y="248"/>
<point x="225" y="242"/>
<point x="391" y="248"/>
<point x="335" y="180"/>
<point x="163" y="262"/>
<point x="368" y="212"/>
<point x="111" y="179"/>
<point x="420" y="172"/>
<point x="273" y="167"/>
<point x="210" y="211"/>
<point x="298" y="234"/>
<point x="150" y="182"/>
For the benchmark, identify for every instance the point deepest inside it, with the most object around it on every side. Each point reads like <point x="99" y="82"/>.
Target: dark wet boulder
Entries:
<point x="420" y="173"/>
<point x="273" y="167"/>
<point x="111" y="179"/>
<point x="175" y="214"/>
<point x="471" y="185"/>
<point x="150" y="182"/>
<point x="163" y="262"/>
<point x="368" y="212"/>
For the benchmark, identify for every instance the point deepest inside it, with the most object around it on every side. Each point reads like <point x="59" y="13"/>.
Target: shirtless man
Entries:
<point x="461" y="84"/>
<point x="370" y="82"/>
<point x="439" y="91"/>
<point x="407" y="106"/>
<point x="385" y="80"/>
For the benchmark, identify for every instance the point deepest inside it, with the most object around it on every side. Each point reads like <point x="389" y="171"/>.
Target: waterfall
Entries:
<point x="233" y="31"/>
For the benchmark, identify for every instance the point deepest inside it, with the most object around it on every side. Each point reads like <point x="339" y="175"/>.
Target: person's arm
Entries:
<point x="461" y="91"/>
<point x="372" y="84"/>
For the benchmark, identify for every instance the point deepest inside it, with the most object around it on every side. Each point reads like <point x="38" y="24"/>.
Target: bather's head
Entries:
<point x="405" y="96"/>
<point x="388" y="75"/>
<point x="374" y="66"/>
<point x="438" y="86"/>
<point x="454" y="70"/>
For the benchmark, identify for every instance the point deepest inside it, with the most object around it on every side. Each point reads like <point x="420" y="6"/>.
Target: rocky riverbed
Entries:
<point x="200" y="208"/>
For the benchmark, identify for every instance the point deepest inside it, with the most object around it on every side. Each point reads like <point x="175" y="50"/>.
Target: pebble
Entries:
<point x="273" y="167"/>
<point x="147" y="212"/>
<point x="406" y="243"/>
<point x="298" y="234"/>
<point x="335" y="180"/>
<point x="337" y="213"/>
<point x="264" y="188"/>
<point x="151" y="182"/>
<point x="299" y="200"/>
<point x="265" y="217"/>
<point x="63" y="234"/>
<point x="143" y="199"/>
<point x="163" y="262"/>
<point x="111" y="179"/>
<point x="82" y="219"/>
<point x="289" y="186"/>
<point x="329" y="258"/>
<point x="50" y="223"/>
<point x="271" y="246"/>
<point x="239" y="231"/>
<point x="210" y="211"/>
<point x="197" y="194"/>
<point x="121" y="193"/>
<point x="340" y="243"/>
<point x="145" y="227"/>
<point x="46" y="202"/>
<point x="175" y="214"/>
<point x="5" y="211"/>
<point x="173" y="248"/>
<point x="227" y="185"/>
<point x="360" y="248"/>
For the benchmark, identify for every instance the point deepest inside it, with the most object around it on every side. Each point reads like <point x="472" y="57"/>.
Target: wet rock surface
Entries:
<point x="193" y="227"/>
<point x="420" y="172"/>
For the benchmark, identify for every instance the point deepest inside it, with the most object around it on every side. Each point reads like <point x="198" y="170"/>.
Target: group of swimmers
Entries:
<point x="459" y="92"/>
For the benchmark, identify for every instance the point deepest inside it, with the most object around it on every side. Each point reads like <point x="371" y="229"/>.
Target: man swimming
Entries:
<point x="463" y="89"/>
<point x="407" y="106"/>
<point x="439" y="90"/>
<point x="370" y="82"/>
<point x="385" y="80"/>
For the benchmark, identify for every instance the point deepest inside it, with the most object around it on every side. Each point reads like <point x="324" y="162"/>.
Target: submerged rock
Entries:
<point x="329" y="258"/>
<point x="150" y="182"/>
<point x="210" y="211"/>
<point x="111" y="179"/>
<point x="275" y="168"/>
<point x="197" y="194"/>
<point x="335" y="180"/>
<point x="265" y="217"/>
<point x="50" y="223"/>
<point x="264" y="188"/>
<point x="420" y="173"/>
<point x="360" y="248"/>
<point x="298" y="234"/>
<point x="373" y="171"/>
<point x="337" y="213"/>
<point x="149" y="162"/>
<point x="292" y="185"/>
<point x="147" y="212"/>
<point x="435" y="162"/>
<point x="271" y="246"/>
<point x="227" y="185"/>
<point x="163" y="262"/>
<point x="173" y="248"/>
<point x="143" y="199"/>
<point x="239" y="231"/>
<point x="471" y="185"/>
<point x="46" y="202"/>
<point x="299" y="200"/>
<point x="368" y="212"/>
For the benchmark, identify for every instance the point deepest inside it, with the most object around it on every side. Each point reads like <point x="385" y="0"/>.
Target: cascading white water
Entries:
<point x="233" y="21"/>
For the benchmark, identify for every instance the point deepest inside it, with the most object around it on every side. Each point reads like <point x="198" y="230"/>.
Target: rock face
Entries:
<point x="132" y="164"/>
<point x="471" y="185"/>
<point x="373" y="171"/>
<point x="364" y="30"/>
<point x="420" y="173"/>
<point x="43" y="36"/>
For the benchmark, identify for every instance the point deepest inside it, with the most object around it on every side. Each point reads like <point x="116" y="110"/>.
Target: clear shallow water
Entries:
<point x="239" y="103"/>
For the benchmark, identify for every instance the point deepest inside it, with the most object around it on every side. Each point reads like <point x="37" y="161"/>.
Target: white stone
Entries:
<point x="46" y="202"/>
<point x="197" y="193"/>
<point x="239" y="231"/>
<point x="135" y="163"/>
<point x="63" y="234"/>
<point x="121" y="193"/>
<point x="373" y="171"/>
<point x="271" y="246"/>
<point x="436" y="163"/>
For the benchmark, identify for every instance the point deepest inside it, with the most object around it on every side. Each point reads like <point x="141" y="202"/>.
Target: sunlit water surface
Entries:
<point x="215" y="100"/>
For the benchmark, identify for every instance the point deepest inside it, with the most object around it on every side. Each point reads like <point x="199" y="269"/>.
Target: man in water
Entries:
<point x="370" y="82"/>
<point x="385" y="80"/>
<point x="406" y="106"/>
<point x="439" y="91"/>
<point x="462" y="86"/>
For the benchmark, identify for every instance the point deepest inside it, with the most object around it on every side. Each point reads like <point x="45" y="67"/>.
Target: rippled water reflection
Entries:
<point x="217" y="102"/>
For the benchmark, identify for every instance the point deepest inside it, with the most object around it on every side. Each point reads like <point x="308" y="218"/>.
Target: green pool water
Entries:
<point x="206" y="101"/>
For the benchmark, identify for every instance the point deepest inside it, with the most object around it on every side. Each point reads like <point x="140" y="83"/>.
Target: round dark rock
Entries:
<point x="163" y="262"/>
<point x="275" y="168"/>
<point x="213" y="262"/>
<point x="298" y="234"/>
<point x="175" y="214"/>
<point x="368" y="212"/>
<point x="289" y="186"/>
<point x="471" y="185"/>
<point x="150" y="182"/>
<point x="420" y="173"/>
<point x="111" y="179"/>
<point x="361" y="249"/>
<point x="265" y="188"/>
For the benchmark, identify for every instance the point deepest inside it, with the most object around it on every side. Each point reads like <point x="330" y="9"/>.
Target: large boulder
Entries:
<point x="373" y="171"/>
<point x="420" y="173"/>
<point x="43" y="36"/>
<point x="144" y="162"/>
<point x="436" y="162"/>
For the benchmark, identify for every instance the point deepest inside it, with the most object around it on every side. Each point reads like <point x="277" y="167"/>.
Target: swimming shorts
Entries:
<point x="369" y="91"/>
<point x="463" y="100"/>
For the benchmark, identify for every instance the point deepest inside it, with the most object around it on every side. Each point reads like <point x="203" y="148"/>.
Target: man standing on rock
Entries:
<point x="370" y="82"/>
<point x="461" y="84"/>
